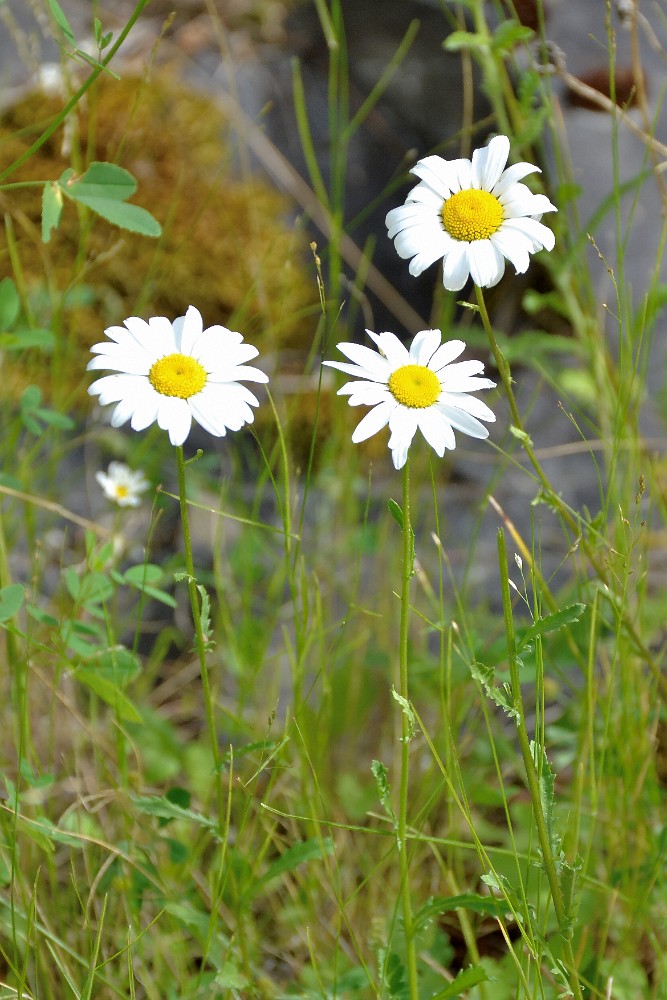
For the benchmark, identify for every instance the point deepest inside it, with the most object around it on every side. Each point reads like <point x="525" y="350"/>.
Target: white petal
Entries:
<point x="436" y="172"/>
<point x="437" y="430"/>
<point x="489" y="163"/>
<point x="245" y="373"/>
<point x="446" y="353"/>
<point x="486" y="263"/>
<point x="393" y="350"/>
<point x="471" y="404"/>
<point x="455" y="269"/>
<point x="366" y="393"/>
<point x="190" y="331"/>
<point x="520" y="200"/>
<point x="512" y="175"/>
<point x="538" y="234"/>
<point x="465" y="423"/>
<point x="403" y="426"/>
<point x="145" y="410"/>
<point x="424" y="346"/>
<point x="374" y="421"/>
<point x="174" y="415"/>
<point x="515" y="249"/>
<point x="129" y="362"/>
<point x="372" y="364"/>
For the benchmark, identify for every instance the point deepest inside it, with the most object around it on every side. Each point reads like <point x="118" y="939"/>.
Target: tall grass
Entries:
<point x="292" y="757"/>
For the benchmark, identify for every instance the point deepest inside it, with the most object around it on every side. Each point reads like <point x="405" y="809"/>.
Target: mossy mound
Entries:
<point x="228" y="246"/>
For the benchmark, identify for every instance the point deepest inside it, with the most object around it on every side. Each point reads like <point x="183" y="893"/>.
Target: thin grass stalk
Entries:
<point x="406" y="735"/>
<point x="532" y="778"/>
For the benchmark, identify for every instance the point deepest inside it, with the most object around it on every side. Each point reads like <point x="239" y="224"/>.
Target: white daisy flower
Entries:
<point x="122" y="484"/>
<point x="415" y="389"/>
<point x="473" y="214"/>
<point x="171" y="372"/>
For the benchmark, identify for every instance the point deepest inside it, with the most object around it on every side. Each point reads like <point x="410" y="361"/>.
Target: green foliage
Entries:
<point x="219" y="810"/>
<point x="103" y="188"/>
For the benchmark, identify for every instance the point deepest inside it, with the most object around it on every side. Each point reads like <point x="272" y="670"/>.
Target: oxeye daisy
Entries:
<point x="415" y="389"/>
<point x="122" y="484"/>
<point x="174" y="372"/>
<point x="473" y="214"/>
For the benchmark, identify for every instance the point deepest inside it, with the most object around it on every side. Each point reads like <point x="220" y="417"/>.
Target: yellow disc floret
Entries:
<point x="415" y="386"/>
<point x="177" y="375"/>
<point x="472" y="215"/>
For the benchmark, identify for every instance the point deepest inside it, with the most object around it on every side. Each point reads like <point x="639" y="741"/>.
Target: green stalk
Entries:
<point x="407" y="570"/>
<point x="200" y="639"/>
<point x="532" y="779"/>
<point x="568" y="517"/>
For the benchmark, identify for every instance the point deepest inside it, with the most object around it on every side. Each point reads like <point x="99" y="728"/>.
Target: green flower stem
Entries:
<point x="407" y="570"/>
<point x="562" y="508"/>
<point x="200" y="639"/>
<point x="532" y="779"/>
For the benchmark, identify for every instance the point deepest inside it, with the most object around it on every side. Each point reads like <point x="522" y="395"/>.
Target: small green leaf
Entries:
<point x="23" y="339"/>
<point x="306" y="850"/>
<point x="486" y="905"/>
<point x="10" y="304"/>
<point x="62" y="22"/>
<point x="108" y="692"/>
<point x="458" y="40"/>
<point x="551" y="623"/>
<point x="11" y="599"/>
<point x="104" y="188"/>
<point x="396" y="512"/>
<point x="384" y="790"/>
<point x="508" y="35"/>
<point x="408" y="712"/>
<point x="500" y="696"/>
<point x="547" y="781"/>
<point x="465" y="980"/>
<point x="52" y="209"/>
<point x="163" y="808"/>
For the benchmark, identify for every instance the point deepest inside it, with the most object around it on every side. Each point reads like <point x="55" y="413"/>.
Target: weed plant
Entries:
<point x="297" y="725"/>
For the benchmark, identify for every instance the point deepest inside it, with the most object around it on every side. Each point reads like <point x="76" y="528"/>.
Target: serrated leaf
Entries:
<point x="52" y="209"/>
<point x="553" y="622"/>
<point x="11" y="598"/>
<point x="408" y="712"/>
<point x="384" y="790"/>
<point x="547" y="781"/>
<point x="163" y="808"/>
<point x="499" y="696"/>
<point x="10" y="304"/>
<point x="486" y="905"/>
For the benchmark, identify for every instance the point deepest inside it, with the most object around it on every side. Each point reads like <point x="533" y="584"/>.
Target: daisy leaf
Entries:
<point x="104" y="188"/>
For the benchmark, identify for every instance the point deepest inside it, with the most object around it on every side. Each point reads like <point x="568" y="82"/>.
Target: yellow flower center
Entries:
<point x="415" y="386"/>
<point x="472" y="215"/>
<point x="177" y="375"/>
<point x="121" y="492"/>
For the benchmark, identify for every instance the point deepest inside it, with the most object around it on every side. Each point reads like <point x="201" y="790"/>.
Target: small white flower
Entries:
<point x="122" y="484"/>
<point x="473" y="214"/>
<point x="415" y="389"/>
<point x="172" y="372"/>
